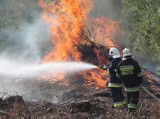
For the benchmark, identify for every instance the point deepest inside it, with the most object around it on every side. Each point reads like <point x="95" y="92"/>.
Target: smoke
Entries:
<point x="25" y="35"/>
<point x="107" y="8"/>
<point x="23" y="43"/>
<point x="28" y="41"/>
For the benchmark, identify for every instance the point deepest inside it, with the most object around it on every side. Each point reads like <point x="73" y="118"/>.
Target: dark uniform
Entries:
<point x="131" y="75"/>
<point x="115" y="84"/>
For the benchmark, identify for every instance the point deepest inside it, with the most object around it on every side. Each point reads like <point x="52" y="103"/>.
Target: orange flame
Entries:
<point x="105" y="31"/>
<point x="98" y="77"/>
<point x="67" y="20"/>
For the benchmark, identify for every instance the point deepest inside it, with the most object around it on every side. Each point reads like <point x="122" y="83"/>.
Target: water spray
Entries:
<point x="15" y="70"/>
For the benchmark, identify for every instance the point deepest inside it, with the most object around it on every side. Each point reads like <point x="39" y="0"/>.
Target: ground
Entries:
<point x="97" y="105"/>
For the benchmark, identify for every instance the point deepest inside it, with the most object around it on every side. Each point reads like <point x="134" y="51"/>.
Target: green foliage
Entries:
<point x="141" y="23"/>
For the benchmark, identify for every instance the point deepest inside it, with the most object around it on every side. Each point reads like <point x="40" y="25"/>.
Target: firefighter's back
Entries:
<point x="127" y="69"/>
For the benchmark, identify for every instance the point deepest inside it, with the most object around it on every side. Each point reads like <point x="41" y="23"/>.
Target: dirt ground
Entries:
<point x="97" y="105"/>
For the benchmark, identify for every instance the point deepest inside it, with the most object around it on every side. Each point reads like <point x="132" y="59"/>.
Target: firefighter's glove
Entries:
<point x="100" y="67"/>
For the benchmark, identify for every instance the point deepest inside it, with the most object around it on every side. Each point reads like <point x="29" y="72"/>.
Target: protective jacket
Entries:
<point x="114" y="81"/>
<point x="130" y="73"/>
<point x="115" y="84"/>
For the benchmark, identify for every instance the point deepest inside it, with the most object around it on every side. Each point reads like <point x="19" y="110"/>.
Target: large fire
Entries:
<point x="68" y="20"/>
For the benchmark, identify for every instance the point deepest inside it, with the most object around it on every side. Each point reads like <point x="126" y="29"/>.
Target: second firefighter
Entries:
<point x="130" y="73"/>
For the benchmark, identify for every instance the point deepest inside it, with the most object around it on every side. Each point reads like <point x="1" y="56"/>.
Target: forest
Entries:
<point x="42" y="42"/>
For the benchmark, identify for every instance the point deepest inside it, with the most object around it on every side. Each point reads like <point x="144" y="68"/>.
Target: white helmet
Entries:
<point x="114" y="52"/>
<point x="126" y="52"/>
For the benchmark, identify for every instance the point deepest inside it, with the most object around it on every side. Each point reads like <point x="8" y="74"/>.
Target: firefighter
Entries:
<point x="130" y="73"/>
<point x="115" y="83"/>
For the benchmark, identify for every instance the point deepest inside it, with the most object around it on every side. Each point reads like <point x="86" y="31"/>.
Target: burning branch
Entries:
<point x="89" y="38"/>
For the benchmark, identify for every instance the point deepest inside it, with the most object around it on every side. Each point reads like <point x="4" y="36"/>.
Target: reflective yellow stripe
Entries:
<point x="140" y="74"/>
<point x="132" y="89"/>
<point x="114" y="85"/>
<point x="132" y="105"/>
<point x="127" y="67"/>
<point x="117" y="104"/>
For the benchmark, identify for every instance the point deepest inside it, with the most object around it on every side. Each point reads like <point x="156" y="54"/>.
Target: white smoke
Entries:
<point x="27" y="42"/>
<point x="23" y="43"/>
<point x="107" y="8"/>
<point x="24" y="35"/>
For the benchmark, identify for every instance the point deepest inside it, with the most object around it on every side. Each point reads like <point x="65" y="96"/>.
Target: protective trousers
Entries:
<point x="118" y="97"/>
<point x="132" y="99"/>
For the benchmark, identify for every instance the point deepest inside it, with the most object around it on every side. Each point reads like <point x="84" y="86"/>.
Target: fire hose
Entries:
<point x="149" y="93"/>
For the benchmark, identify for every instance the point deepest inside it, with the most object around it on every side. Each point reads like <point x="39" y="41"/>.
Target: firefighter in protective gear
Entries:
<point x="115" y="83"/>
<point x="130" y="73"/>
